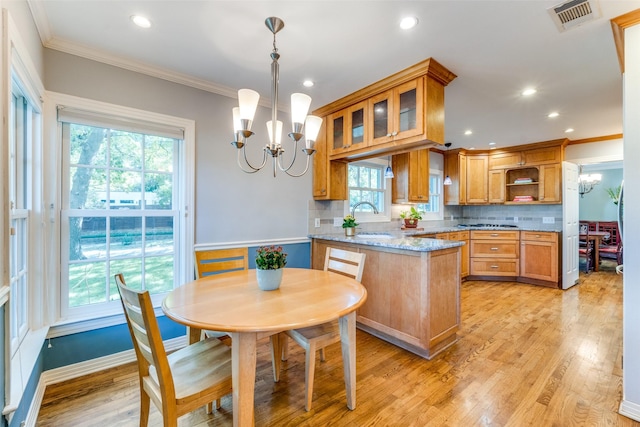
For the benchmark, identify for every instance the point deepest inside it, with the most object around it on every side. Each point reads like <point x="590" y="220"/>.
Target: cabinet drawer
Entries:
<point x="495" y="235"/>
<point x="488" y="249"/>
<point x="537" y="236"/>
<point x="444" y="236"/>
<point x="494" y="267"/>
<point x="463" y="235"/>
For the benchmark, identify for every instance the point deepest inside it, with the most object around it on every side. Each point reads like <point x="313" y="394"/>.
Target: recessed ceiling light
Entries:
<point x="308" y="83"/>
<point x="569" y="130"/>
<point x="468" y="132"/>
<point x="472" y="148"/>
<point x="492" y="143"/>
<point x="554" y="114"/>
<point x="141" y="21"/>
<point x="408" y="22"/>
<point x="528" y="92"/>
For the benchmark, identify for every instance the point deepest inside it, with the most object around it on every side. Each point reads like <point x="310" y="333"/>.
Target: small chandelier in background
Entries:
<point x="586" y="182"/>
<point x="248" y="103"/>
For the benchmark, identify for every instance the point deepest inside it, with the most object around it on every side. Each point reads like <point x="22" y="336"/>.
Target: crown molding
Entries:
<point x="139" y="67"/>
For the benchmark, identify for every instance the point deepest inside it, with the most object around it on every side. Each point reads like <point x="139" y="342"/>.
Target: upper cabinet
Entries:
<point x="528" y="157"/>
<point x="348" y="129"/>
<point x="411" y="177"/>
<point x="519" y="175"/>
<point x="398" y="113"/>
<point x="329" y="178"/>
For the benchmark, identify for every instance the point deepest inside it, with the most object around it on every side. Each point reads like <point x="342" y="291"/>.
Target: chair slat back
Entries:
<point x="218" y="261"/>
<point x="610" y="227"/>
<point x="347" y="263"/>
<point x="145" y="333"/>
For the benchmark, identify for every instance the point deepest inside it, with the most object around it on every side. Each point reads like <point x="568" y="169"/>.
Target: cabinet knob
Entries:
<point x="541" y="198"/>
<point x="494" y="234"/>
<point x="394" y="133"/>
<point x="494" y="266"/>
<point x="388" y="135"/>
<point x="494" y="249"/>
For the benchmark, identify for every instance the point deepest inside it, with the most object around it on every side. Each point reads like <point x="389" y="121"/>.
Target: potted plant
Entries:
<point x="270" y="260"/>
<point x="614" y="194"/>
<point x="411" y="217"/>
<point x="349" y="224"/>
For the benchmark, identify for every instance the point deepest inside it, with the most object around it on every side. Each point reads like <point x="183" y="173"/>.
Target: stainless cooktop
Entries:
<point x="487" y="226"/>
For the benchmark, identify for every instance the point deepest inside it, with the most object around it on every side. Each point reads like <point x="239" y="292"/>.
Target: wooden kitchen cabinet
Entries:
<point x="401" y="113"/>
<point x="494" y="253"/>
<point x="539" y="256"/>
<point x="496" y="186"/>
<point x="397" y="113"/>
<point x="329" y="177"/>
<point x="455" y="167"/>
<point x="527" y="157"/>
<point x="469" y="178"/>
<point x="348" y="129"/>
<point x="550" y="188"/>
<point x="460" y="236"/>
<point x="411" y="177"/>
<point x="477" y="182"/>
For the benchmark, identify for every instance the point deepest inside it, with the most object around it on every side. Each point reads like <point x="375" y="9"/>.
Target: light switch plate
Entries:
<point x="548" y="220"/>
<point x="317" y="223"/>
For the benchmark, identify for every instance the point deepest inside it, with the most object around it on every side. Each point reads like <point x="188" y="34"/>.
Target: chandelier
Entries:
<point x="244" y="113"/>
<point x="586" y="182"/>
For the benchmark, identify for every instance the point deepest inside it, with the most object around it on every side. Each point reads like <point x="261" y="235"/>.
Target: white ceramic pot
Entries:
<point x="269" y="280"/>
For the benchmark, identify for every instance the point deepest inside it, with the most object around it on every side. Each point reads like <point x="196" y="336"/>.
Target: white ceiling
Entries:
<point x="496" y="48"/>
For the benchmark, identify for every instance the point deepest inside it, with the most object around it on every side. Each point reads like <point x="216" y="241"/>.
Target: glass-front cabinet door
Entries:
<point x="348" y="129"/>
<point x="398" y="112"/>
<point x="408" y="117"/>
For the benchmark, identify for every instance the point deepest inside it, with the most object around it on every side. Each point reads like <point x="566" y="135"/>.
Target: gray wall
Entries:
<point x="231" y="206"/>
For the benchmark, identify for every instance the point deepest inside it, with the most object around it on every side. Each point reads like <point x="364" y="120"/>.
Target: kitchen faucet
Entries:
<point x="353" y="208"/>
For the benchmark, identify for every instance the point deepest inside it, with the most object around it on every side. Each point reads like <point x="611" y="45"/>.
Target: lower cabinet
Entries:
<point x="523" y="256"/>
<point x="539" y="256"/>
<point x="494" y="253"/>
<point x="459" y="236"/>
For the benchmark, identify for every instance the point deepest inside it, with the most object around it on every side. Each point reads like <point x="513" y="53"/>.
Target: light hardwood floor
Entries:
<point x="527" y="356"/>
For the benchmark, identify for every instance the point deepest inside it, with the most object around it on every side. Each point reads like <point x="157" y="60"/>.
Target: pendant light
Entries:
<point x="447" y="179"/>
<point x="388" y="173"/>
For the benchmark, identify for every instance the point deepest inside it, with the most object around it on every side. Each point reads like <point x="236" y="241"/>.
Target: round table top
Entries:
<point x="232" y="302"/>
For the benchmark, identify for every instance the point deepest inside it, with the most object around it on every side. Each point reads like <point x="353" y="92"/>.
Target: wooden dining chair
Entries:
<point x="585" y="249"/>
<point x="217" y="261"/>
<point x="315" y="338"/>
<point x="177" y="383"/>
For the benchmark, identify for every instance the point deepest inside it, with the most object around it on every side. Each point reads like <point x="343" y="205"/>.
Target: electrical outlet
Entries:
<point x="317" y="223"/>
<point x="337" y="221"/>
<point x="515" y="219"/>
<point x="548" y="220"/>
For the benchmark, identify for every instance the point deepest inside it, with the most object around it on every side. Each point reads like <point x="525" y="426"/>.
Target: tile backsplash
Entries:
<point x="526" y="215"/>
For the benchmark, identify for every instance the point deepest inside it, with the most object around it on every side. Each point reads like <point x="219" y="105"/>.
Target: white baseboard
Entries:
<point x="630" y="410"/>
<point x="76" y="370"/>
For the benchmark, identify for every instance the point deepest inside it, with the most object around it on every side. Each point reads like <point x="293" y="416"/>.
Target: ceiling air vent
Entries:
<point x="573" y="13"/>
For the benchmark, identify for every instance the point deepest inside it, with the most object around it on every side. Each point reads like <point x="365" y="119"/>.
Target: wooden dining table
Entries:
<point x="233" y="303"/>
<point x="596" y="237"/>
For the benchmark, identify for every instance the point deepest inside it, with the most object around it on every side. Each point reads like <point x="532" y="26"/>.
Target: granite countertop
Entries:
<point x="392" y="240"/>
<point x="402" y="239"/>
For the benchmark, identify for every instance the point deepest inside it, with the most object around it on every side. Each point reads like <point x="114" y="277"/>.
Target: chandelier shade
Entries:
<point x="586" y="182"/>
<point x="302" y="124"/>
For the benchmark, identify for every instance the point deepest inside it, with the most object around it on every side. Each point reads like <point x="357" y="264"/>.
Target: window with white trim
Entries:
<point x="434" y="209"/>
<point x="123" y="210"/>
<point x="24" y="123"/>
<point x="366" y="183"/>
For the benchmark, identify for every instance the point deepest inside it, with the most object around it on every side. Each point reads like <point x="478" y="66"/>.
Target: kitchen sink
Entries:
<point x="375" y="236"/>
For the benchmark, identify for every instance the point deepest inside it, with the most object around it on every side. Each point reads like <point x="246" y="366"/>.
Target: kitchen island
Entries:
<point x="413" y="287"/>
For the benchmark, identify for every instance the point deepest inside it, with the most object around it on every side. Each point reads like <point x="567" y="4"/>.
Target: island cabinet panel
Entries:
<point x="540" y="257"/>
<point x="413" y="298"/>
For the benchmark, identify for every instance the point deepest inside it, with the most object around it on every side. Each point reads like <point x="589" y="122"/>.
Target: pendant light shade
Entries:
<point x="447" y="181"/>
<point x="388" y="173"/>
